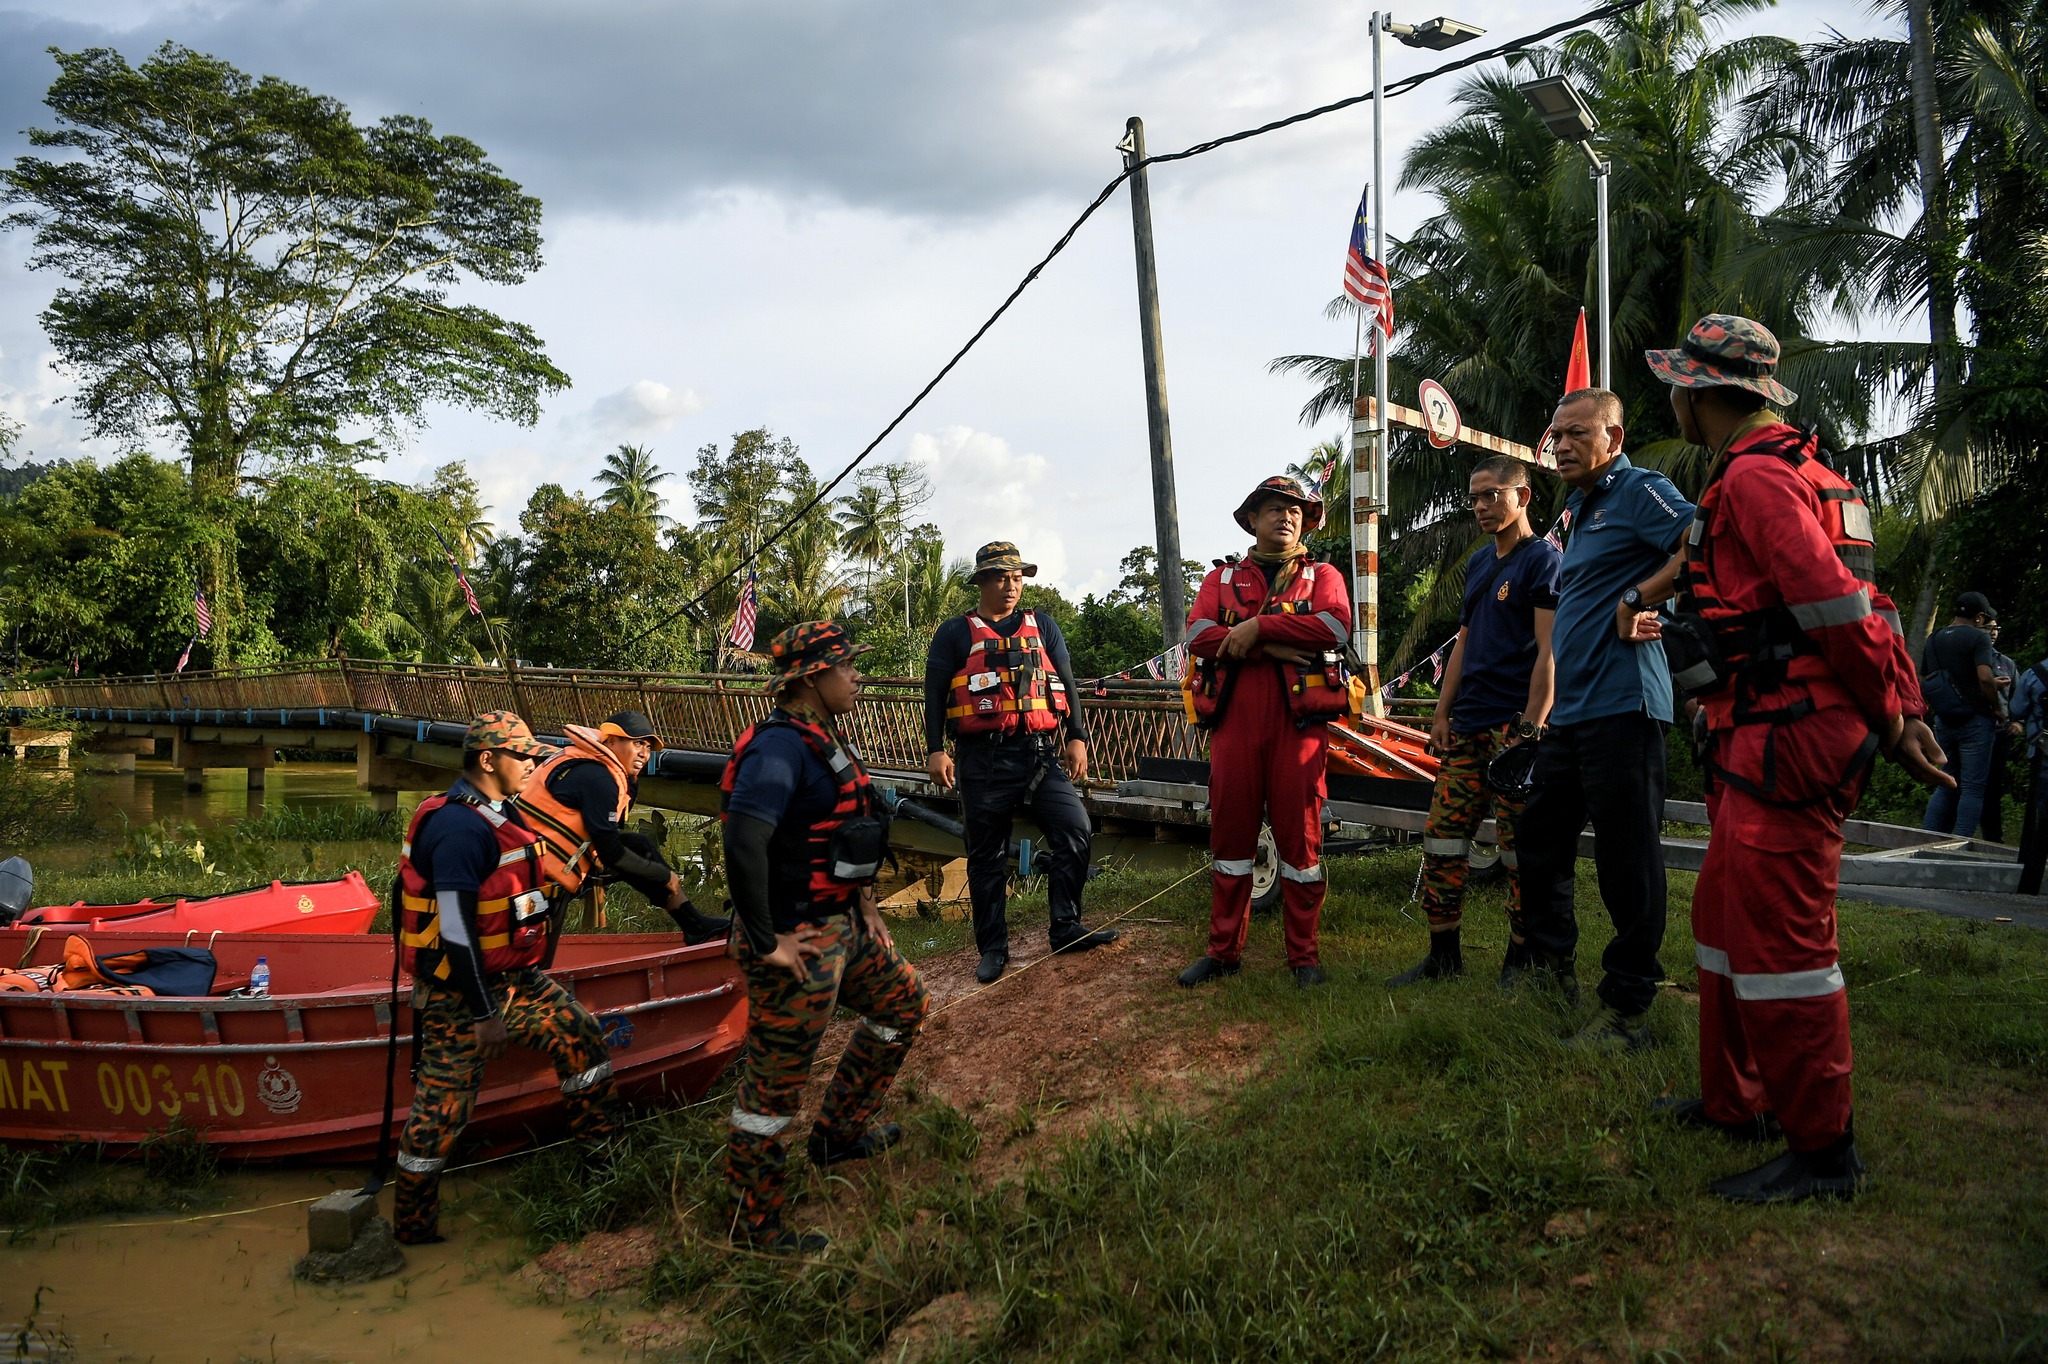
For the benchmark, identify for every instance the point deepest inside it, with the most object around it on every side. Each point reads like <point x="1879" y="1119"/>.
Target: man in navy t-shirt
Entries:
<point x="1603" y="754"/>
<point x="1496" y="693"/>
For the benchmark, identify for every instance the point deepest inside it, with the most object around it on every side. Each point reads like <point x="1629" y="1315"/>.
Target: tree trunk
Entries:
<point x="1941" y="283"/>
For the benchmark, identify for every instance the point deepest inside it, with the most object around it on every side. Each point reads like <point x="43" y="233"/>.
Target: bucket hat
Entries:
<point x="501" y="729"/>
<point x="1294" y="490"/>
<point x="1000" y="556"/>
<point x="1724" y="351"/>
<point x="811" y="647"/>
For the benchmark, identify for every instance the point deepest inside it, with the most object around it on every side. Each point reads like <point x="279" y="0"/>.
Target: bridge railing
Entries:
<point x="702" y="711"/>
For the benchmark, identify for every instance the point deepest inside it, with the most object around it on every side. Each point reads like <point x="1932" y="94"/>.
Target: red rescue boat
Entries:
<point x="300" y="1074"/>
<point x="346" y="905"/>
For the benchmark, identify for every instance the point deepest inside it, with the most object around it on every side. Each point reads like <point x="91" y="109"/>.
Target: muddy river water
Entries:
<point x="219" y="1289"/>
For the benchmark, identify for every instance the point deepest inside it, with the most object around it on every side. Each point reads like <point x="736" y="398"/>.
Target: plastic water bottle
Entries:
<point x="259" y="977"/>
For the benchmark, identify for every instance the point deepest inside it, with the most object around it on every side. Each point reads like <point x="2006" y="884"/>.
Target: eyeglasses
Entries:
<point x="1487" y="497"/>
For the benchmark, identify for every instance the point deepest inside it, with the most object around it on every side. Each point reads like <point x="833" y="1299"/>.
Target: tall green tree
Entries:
<point x="630" y="480"/>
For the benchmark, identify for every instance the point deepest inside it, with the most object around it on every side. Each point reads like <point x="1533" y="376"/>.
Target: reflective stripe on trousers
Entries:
<point x="1307" y="875"/>
<point x="758" y="1124"/>
<point x="1813" y="984"/>
<point x="1231" y="866"/>
<point x="1446" y="847"/>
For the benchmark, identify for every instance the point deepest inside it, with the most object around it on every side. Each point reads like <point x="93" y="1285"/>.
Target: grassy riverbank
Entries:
<point x="1426" y="1175"/>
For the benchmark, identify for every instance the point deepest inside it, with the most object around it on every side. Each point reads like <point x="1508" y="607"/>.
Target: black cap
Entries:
<point x="629" y="724"/>
<point x="1975" y="604"/>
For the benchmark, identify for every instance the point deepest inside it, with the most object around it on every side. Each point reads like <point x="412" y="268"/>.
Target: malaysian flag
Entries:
<point x="199" y="611"/>
<point x="468" y="592"/>
<point x="184" y="658"/>
<point x="1365" y="279"/>
<point x="742" y="633"/>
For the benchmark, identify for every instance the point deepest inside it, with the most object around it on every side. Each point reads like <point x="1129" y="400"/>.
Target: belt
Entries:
<point x="1000" y="737"/>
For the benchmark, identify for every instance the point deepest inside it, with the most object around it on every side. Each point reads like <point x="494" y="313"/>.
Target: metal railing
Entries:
<point x="702" y="711"/>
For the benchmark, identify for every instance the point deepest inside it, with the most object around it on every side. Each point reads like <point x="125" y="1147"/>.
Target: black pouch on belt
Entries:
<point x="857" y="848"/>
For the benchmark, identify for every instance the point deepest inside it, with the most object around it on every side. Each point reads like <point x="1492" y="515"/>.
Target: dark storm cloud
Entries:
<point x="936" y="107"/>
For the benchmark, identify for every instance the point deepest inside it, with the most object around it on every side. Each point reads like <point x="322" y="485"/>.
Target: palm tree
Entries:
<point x="871" y="529"/>
<point x="628" y="478"/>
<point x="805" y="583"/>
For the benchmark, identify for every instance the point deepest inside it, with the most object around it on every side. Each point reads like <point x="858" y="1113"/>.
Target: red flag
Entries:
<point x="1579" y="373"/>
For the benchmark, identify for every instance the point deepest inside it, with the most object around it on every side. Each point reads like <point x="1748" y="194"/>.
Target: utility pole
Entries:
<point x="1173" y="608"/>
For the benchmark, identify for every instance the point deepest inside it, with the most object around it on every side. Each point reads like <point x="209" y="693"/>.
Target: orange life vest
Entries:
<point x="566" y="850"/>
<point x="1007" y="683"/>
<point x="810" y="874"/>
<point x="511" y="904"/>
<point x="1753" y="652"/>
<point x="1316" y="692"/>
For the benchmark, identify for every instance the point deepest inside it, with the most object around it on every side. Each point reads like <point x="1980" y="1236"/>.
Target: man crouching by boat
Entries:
<point x="475" y="933"/>
<point x="804" y="837"/>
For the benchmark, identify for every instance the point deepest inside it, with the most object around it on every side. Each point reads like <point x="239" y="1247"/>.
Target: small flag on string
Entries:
<point x="468" y="592"/>
<point x="1365" y="279"/>
<point x="201" y="614"/>
<point x="742" y="633"/>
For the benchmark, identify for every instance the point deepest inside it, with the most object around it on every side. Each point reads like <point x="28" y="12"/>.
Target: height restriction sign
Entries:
<point x="1440" y="419"/>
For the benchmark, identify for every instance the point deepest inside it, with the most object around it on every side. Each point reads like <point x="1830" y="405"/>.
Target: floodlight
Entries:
<point x="1436" y="34"/>
<point x="1561" y="108"/>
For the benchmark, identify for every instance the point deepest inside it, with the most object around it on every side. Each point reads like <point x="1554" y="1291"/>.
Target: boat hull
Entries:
<point x="300" y="1075"/>
<point x="344" y="905"/>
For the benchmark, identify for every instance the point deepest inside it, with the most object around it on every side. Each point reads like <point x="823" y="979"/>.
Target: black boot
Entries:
<point x="1208" y="968"/>
<point x="1693" y="1113"/>
<point x="1071" y="937"/>
<point x="770" y="1238"/>
<point x="1445" y="960"/>
<point x="1835" y="1171"/>
<point x="1516" y="965"/>
<point x="1308" y="977"/>
<point x="1560" y="973"/>
<point x="993" y="963"/>
<point x="825" y="1151"/>
<point x="697" y="926"/>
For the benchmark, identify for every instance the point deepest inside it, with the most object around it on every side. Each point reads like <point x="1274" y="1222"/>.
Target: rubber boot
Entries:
<point x="993" y="963"/>
<point x="1308" y="977"/>
<point x="1518" y="963"/>
<point x="1446" y="959"/>
<point x="1072" y="937"/>
<point x="699" y="927"/>
<point x="826" y="1150"/>
<point x="1208" y="968"/>
<point x="1835" y="1171"/>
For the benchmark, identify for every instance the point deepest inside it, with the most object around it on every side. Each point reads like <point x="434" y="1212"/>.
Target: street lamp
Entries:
<point x="1565" y="112"/>
<point x="1369" y="494"/>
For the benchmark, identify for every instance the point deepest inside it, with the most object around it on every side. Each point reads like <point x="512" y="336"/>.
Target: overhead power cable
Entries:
<point x="1400" y="87"/>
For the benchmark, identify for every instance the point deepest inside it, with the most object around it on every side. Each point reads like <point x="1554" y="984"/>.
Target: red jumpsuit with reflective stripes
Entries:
<point x="1260" y="764"/>
<point x="1774" y="1016"/>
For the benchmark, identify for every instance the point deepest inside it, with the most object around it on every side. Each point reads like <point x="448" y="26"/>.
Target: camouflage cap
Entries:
<point x="1289" y="487"/>
<point x="1000" y="556"/>
<point x="811" y="647"/>
<point x="1724" y="351"/>
<point x="501" y="729"/>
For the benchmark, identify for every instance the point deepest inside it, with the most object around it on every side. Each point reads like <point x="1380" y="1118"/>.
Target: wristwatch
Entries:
<point x="1526" y="729"/>
<point x="1633" y="599"/>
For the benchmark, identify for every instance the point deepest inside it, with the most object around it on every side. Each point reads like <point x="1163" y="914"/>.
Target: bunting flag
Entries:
<point x="742" y="633"/>
<point x="1578" y="372"/>
<point x="1435" y="663"/>
<point x="1166" y="667"/>
<point x="468" y="592"/>
<point x="201" y="614"/>
<point x="1365" y="279"/>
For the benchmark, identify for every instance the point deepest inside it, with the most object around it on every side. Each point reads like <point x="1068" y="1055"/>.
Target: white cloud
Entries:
<point x="641" y="409"/>
<point x="987" y="491"/>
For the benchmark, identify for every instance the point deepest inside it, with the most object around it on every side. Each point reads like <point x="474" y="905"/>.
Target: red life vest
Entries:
<point x="809" y="868"/>
<point x="1317" y="693"/>
<point x="511" y="904"/>
<point x="1007" y="683"/>
<point x="1754" y="652"/>
<point x="566" y="849"/>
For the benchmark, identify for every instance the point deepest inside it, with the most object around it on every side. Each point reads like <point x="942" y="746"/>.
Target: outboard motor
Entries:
<point x="17" y="888"/>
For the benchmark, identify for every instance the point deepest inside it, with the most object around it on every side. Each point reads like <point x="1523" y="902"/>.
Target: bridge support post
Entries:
<point x="194" y="758"/>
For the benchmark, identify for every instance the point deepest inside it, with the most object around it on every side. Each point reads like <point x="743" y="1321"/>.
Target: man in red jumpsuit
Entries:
<point x="1812" y="678"/>
<point x="1265" y="631"/>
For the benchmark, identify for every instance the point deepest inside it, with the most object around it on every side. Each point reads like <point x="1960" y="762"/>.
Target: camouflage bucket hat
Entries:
<point x="809" y="648"/>
<point x="501" y="729"/>
<point x="1294" y="490"/>
<point x="1725" y="351"/>
<point x="1000" y="556"/>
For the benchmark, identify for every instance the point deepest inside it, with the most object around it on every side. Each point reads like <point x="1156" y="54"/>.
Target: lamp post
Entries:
<point x="1565" y="112"/>
<point x="1369" y="493"/>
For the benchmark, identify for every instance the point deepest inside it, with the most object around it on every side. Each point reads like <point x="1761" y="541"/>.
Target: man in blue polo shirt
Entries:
<point x="1602" y="756"/>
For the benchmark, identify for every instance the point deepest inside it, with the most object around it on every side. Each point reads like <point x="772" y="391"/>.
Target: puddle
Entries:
<point x="221" y="1291"/>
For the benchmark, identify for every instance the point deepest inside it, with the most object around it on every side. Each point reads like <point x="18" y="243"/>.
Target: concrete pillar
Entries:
<point x="106" y="762"/>
<point x="383" y="801"/>
<point x="257" y="777"/>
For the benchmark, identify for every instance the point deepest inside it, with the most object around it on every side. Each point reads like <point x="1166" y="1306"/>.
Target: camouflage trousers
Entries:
<point x="1458" y="807"/>
<point x="538" y="1014"/>
<point x="786" y="1020"/>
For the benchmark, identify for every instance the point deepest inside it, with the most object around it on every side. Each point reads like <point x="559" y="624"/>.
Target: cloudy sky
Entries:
<point x="789" y="214"/>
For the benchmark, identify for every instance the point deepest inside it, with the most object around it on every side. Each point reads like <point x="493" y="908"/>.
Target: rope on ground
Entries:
<point x="651" y="1116"/>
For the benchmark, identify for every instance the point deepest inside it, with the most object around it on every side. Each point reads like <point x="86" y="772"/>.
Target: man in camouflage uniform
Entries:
<point x="802" y="842"/>
<point x="474" y="939"/>
<point x="1496" y="693"/>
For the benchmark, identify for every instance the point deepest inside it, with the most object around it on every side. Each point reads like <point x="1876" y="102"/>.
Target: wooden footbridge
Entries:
<point x="404" y="724"/>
